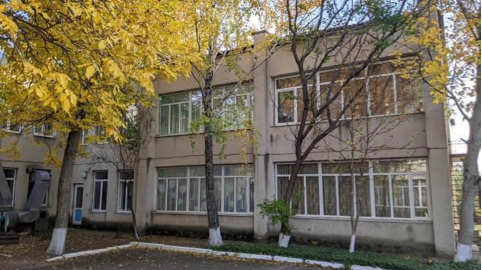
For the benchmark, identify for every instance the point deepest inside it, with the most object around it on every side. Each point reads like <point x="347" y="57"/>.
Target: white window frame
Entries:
<point x="198" y="178"/>
<point x="319" y="83"/>
<point x="370" y="175"/>
<point x="190" y="102"/>
<point x="14" y="186"/>
<point x="126" y="198"/>
<point x="101" y="192"/>
<point x="42" y="132"/>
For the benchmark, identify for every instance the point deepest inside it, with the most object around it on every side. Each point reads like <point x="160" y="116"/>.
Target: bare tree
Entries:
<point x="124" y="155"/>
<point x="362" y="137"/>
<point x="347" y="36"/>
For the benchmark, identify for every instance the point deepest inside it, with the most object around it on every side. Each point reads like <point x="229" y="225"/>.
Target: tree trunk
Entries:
<point x="213" y="220"/>
<point x="57" y="243"/>
<point x="471" y="182"/>
<point x="354" y="212"/>
<point x="284" y="236"/>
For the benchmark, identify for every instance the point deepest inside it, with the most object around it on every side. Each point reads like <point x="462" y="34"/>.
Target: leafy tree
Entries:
<point x="450" y="62"/>
<point x="222" y="34"/>
<point x="346" y="35"/>
<point x="77" y="64"/>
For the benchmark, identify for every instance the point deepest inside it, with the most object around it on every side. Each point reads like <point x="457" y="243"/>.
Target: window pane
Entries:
<point x="381" y="95"/>
<point x="228" y="194"/>
<point x="101" y="175"/>
<point x="241" y="195"/>
<point x="416" y="165"/>
<point x="181" y="194"/>
<point x="382" y="196"/>
<point x="299" y="196"/>
<point x="238" y="170"/>
<point x="171" y="195"/>
<point x="355" y="97"/>
<point x="104" y="195"/>
<point x="284" y="168"/>
<point x="164" y="120"/>
<point x="312" y="195"/>
<point x="193" y="194"/>
<point x="217" y="192"/>
<point x="172" y="172"/>
<point x="122" y="196"/>
<point x="313" y="99"/>
<point x="344" y="188"/>
<point x="184" y="118"/>
<point x="409" y="95"/>
<point x="286" y="107"/>
<point x="230" y="116"/>
<point x="203" y="206"/>
<point x="195" y="111"/>
<point x="329" y="195"/>
<point x="288" y="82"/>
<point x="174" y="119"/>
<point x="126" y="174"/>
<point x="97" y="192"/>
<point x="9" y="173"/>
<point x="130" y="190"/>
<point x="420" y="196"/>
<point x="363" y="196"/>
<point x="282" y="186"/>
<point x="311" y="168"/>
<point x="161" y="194"/>
<point x="251" y="195"/>
<point x="401" y="196"/>
<point x="328" y="92"/>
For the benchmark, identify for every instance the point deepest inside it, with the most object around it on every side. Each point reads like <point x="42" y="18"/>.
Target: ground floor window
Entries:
<point x="184" y="189"/>
<point x="385" y="189"/>
<point x="125" y="190"/>
<point x="100" y="191"/>
<point x="10" y="175"/>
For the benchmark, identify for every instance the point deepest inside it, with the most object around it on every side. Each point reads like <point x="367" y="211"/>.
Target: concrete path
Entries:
<point x="149" y="259"/>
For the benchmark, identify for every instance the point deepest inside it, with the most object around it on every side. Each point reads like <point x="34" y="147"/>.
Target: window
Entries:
<point x="125" y="190"/>
<point x="11" y="175"/>
<point x="184" y="189"/>
<point x="231" y="103"/>
<point x="44" y="130"/>
<point x="96" y="135"/>
<point x="12" y="128"/>
<point x="386" y="189"/>
<point x="100" y="191"/>
<point x="383" y="92"/>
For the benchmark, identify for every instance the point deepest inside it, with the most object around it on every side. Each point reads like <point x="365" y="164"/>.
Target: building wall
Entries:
<point x="32" y="151"/>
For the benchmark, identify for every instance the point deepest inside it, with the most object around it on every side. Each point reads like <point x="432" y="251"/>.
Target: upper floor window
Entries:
<point x="233" y="104"/>
<point x="96" y="135"/>
<point x="12" y="128"/>
<point x="382" y="91"/>
<point x="44" y="130"/>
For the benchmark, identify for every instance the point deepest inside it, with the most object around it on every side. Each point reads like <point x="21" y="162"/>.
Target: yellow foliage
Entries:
<point x="80" y="64"/>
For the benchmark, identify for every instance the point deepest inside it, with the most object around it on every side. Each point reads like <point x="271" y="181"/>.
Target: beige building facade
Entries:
<point x="407" y="198"/>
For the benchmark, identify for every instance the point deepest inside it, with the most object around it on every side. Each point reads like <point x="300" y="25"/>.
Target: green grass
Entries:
<point x="364" y="258"/>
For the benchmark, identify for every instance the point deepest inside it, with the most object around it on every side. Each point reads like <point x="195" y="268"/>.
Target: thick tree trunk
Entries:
<point x="57" y="243"/>
<point x="213" y="220"/>
<point x="471" y="182"/>
<point x="215" y="238"/>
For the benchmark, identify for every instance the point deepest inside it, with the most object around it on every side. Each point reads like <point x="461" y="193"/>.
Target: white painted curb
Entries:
<point x="213" y="253"/>
<point x="87" y="252"/>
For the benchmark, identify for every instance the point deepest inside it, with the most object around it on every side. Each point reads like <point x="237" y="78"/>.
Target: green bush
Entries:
<point x="362" y="258"/>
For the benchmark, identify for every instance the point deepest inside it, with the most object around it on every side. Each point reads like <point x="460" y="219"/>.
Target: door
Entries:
<point x="78" y="198"/>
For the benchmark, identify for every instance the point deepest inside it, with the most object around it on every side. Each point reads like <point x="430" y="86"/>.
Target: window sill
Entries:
<point x="123" y="213"/>
<point x="97" y="211"/>
<point x="13" y="132"/>
<point x="194" y="213"/>
<point x="368" y="219"/>
<point x="44" y="136"/>
<point x="326" y="121"/>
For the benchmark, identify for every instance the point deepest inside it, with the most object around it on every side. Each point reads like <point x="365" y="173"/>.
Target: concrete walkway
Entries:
<point x="150" y="259"/>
